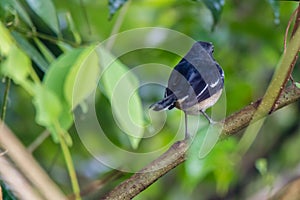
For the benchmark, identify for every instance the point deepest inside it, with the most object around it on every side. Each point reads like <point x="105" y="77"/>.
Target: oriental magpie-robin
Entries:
<point x="195" y="83"/>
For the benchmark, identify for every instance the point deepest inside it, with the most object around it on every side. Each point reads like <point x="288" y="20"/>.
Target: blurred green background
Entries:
<point x="248" y="42"/>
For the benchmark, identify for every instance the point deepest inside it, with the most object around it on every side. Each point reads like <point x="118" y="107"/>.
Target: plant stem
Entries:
<point x="273" y="92"/>
<point x="5" y="98"/>
<point x="69" y="162"/>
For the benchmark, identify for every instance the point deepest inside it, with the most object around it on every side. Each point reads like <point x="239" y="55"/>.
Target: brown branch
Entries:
<point x="177" y="152"/>
<point x="291" y="191"/>
<point x="242" y="118"/>
<point x="20" y="186"/>
<point x="28" y="165"/>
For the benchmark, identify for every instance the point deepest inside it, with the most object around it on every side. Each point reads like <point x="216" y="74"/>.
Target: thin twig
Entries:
<point x="52" y="39"/>
<point x="98" y="184"/>
<point x="38" y="141"/>
<point x="5" y="98"/>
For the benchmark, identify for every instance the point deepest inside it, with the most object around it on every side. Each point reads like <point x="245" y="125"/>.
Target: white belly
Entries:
<point x="203" y="105"/>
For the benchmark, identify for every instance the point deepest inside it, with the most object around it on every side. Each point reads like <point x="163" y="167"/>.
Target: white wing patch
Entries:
<point x="183" y="99"/>
<point x="214" y="84"/>
<point x="202" y="91"/>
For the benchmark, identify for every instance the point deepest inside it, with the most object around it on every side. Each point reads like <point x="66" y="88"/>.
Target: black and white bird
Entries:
<point x="195" y="84"/>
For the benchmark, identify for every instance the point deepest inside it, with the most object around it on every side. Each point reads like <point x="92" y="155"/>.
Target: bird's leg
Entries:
<point x="186" y="129"/>
<point x="207" y="117"/>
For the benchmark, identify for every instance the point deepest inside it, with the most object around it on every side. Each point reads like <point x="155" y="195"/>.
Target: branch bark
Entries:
<point x="177" y="152"/>
<point x="20" y="186"/>
<point x="291" y="191"/>
<point x="28" y="165"/>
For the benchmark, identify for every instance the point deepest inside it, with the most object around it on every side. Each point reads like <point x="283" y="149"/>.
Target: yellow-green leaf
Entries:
<point x="120" y="87"/>
<point x="83" y="77"/>
<point x="16" y="65"/>
<point x="6" y="40"/>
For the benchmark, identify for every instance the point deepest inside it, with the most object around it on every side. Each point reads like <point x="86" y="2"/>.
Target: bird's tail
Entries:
<point x="166" y="103"/>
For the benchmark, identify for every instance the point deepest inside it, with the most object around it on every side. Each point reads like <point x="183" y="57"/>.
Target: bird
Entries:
<point x="195" y="83"/>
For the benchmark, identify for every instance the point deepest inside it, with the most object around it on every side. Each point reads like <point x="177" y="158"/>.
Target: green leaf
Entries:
<point x="16" y="65"/>
<point x="262" y="166"/>
<point x="48" y="106"/>
<point x="6" y="40"/>
<point x="83" y="77"/>
<point x="57" y="74"/>
<point x="297" y="84"/>
<point x="120" y="87"/>
<point x="215" y="7"/>
<point x="31" y="51"/>
<point x="46" y="11"/>
<point x="55" y="80"/>
<point x="276" y="10"/>
<point x="114" y="6"/>
<point x="14" y="4"/>
<point x="50" y="113"/>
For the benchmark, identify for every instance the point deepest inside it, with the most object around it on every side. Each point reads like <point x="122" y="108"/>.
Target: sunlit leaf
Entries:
<point x="16" y="65"/>
<point x="115" y="5"/>
<point x="56" y="76"/>
<point x="297" y="84"/>
<point x="31" y="51"/>
<point x="48" y="106"/>
<point x="120" y="87"/>
<point x="46" y="11"/>
<point x="6" y="40"/>
<point x="50" y="112"/>
<point x="55" y="80"/>
<point x="83" y="77"/>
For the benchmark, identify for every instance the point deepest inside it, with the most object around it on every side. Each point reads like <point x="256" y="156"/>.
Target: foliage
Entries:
<point x="49" y="50"/>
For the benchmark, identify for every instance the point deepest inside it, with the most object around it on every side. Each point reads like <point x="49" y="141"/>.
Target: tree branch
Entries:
<point x="177" y="152"/>
<point x="291" y="191"/>
<point x="28" y="165"/>
<point x="16" y="181"/>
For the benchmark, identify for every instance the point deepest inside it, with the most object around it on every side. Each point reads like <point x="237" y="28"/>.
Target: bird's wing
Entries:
<point x="199" y="86"/>
<point x="166" y="103"/>
<point x="186" y="79"/>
